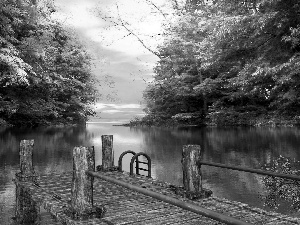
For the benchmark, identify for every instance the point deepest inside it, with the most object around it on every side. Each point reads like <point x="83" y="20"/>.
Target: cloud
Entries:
<point x="124" y="112"/>
<point x="117" y="106"/>
<point x="117" y="112"/>
<point x="112" y="111"/>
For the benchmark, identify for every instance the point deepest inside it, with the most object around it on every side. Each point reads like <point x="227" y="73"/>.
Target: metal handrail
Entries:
<point x="250" y="170"/>
<point x="185" y="205"/>
<point x="121" y="158"/>
<point x="135" y="158"/>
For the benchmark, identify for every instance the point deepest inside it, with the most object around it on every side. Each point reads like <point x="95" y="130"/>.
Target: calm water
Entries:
<point x="249" y="147"/>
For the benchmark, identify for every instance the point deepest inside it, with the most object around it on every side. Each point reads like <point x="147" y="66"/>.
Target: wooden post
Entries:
<point x="27" y="212"/>
<point x="192" y="180"/>
<point x="82" y="205"/>
<point x="82" y="184"/>
<point x="90" y="156"/>
<point x="26" y="166"/>
<point x="107" y="151"/>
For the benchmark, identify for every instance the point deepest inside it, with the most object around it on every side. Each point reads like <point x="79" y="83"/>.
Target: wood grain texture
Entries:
<point x="82" y="184"/>
<point x="192" y="180"/>
<point x="107" y="151"/>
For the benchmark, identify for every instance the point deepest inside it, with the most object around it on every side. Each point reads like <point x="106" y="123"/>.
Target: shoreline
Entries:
<point x="258" y="123"/>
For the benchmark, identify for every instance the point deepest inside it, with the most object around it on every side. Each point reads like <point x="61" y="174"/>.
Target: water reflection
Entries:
<point x="246" y="147"/>
<point x="249" y="147"/>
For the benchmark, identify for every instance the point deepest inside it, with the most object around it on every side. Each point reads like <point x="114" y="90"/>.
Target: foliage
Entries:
<point x="45" y="73"/>
<point x="279" y="188"/>
<point x="188" y="118"/>
<point x="229" y="59"/>
<point x="152" y="120"/>
<point x="137" y="121"/>
<point x="231" y="117"/>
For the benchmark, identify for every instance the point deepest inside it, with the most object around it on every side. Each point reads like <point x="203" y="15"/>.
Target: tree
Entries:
<point x="246" y="56"/>
<point x="45" y="74"/>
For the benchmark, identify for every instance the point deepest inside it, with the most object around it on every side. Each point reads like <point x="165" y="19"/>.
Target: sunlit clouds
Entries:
<point x="121" y="112"/>
<point x="122" y="65"/>
<point x="117" y="106"/>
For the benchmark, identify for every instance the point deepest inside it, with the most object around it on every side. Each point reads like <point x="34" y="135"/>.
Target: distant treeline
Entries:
<point x="44" y="72"/>
<point x="227" y="62"/>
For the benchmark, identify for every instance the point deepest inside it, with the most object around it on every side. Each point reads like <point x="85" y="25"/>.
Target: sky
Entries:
<point x="123" y="66"/>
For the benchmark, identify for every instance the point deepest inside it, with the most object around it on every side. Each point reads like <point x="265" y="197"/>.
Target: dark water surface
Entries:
<point x="248" y="147"/>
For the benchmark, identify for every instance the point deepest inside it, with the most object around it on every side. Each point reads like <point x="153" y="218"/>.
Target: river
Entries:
<point x="247" y="147"/>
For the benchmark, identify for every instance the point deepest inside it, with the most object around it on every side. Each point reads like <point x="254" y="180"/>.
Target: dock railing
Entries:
<point x="182" y="204"/>
<point x="250" y="170"/>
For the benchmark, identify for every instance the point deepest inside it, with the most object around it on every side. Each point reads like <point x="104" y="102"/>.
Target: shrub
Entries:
<point x="280" y="188"/>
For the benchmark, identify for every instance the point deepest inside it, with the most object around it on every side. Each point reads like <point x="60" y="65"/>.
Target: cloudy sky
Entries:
<point x="121" y="63"/>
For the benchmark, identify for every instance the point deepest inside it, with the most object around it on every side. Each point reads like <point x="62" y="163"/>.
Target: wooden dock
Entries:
<point x="127" y="207"/>
<point x="123" y="205"/>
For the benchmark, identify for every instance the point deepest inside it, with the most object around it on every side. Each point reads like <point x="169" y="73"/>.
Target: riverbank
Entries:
<point x="4" y="123"/>
<point x="220" y="121"/>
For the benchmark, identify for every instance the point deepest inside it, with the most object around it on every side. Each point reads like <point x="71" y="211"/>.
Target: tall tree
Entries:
<point x="45" y="73"/>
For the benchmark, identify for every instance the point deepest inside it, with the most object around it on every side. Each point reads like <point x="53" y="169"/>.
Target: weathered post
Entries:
<point x="107" y="152"/>
<point x="27" y="212"/>
<point x="82" y="184"/>
<point x="82" y="205"/>
<point x="192" y="180"/>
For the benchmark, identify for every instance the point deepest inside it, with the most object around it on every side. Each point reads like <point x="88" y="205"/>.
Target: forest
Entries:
<point x="227" y="62"/>
<point x="222" y="62"/>
<point x="45" y="73"/>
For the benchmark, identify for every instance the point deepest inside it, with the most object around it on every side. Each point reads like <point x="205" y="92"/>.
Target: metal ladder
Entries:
<point x="137" y="162"/>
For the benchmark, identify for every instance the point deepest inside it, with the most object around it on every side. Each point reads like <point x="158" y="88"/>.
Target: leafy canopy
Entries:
<point x="44" y="71"/>
<point x="230" y="61"/>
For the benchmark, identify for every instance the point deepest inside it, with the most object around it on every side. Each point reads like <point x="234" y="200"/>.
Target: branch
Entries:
<point x="119" y="39"/>
<point x="141" y="41"/>
<point x="136" y="36"/>
<point x="158" y="9"/>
